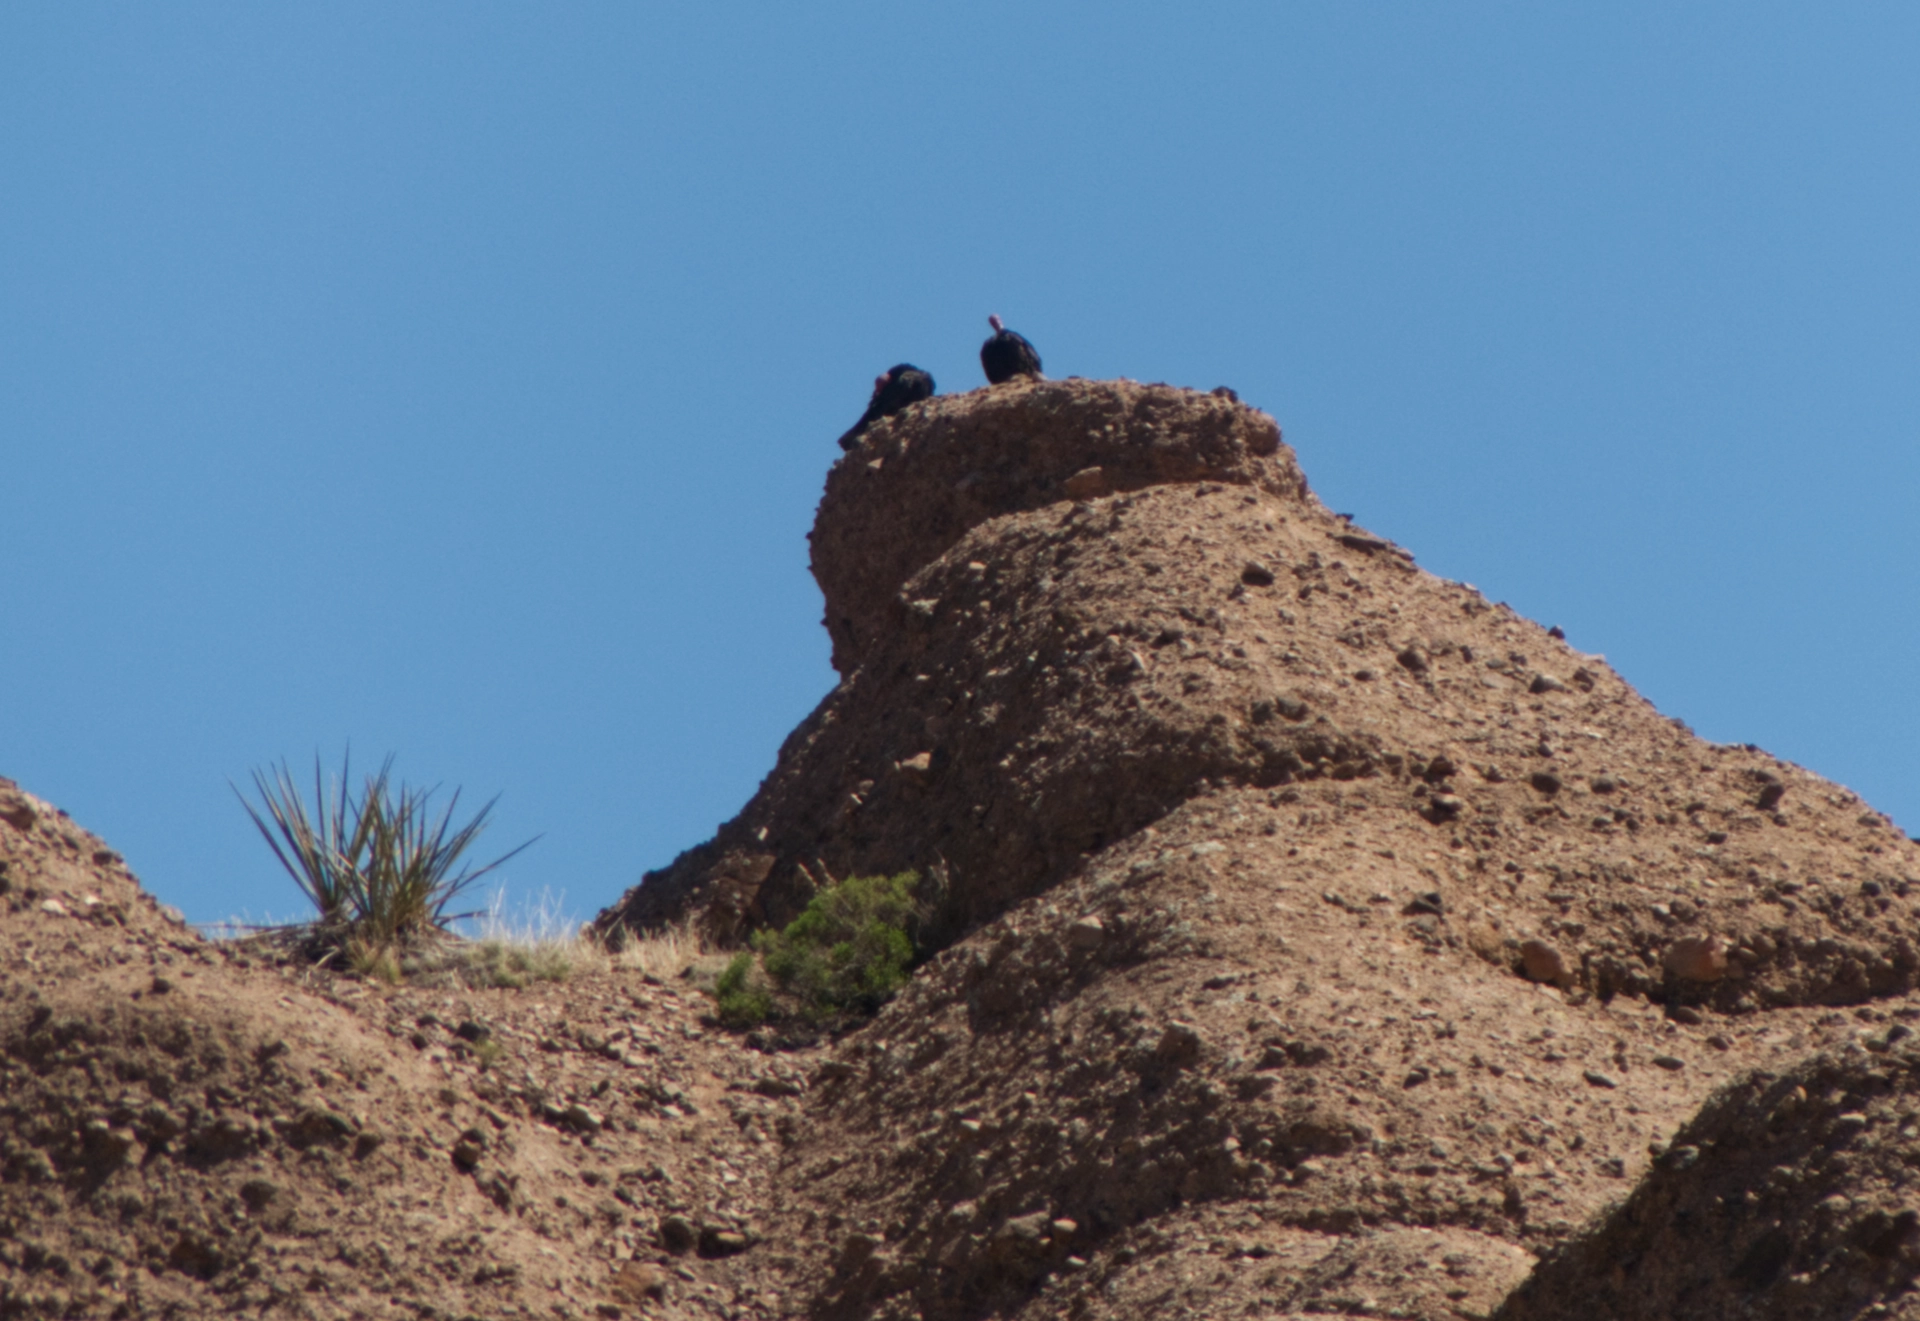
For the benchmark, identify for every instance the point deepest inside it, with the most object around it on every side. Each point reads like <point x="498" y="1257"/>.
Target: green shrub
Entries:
<point x="847" y="953"/>
<point x="380" y="868"/>
<point x="742" y="993"/>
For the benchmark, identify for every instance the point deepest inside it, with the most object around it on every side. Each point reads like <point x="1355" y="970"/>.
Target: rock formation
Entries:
<point x="1312" y="936"/>
<point x="1289" y="893"/>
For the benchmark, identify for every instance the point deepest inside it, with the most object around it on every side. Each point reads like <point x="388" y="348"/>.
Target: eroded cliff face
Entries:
<point x="1294" y="900"/>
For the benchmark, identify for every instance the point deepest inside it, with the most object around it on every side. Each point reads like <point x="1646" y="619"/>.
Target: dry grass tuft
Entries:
<point x="665" y="954"/>
<point x="541" y="944"/>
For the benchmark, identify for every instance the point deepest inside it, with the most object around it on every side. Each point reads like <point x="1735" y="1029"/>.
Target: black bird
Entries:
<point x="1007" y="355"/>
<point x="892" y="391"/>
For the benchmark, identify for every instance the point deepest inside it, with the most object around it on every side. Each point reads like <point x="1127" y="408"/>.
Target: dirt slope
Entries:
<point x="187" y="1132"/>
<point x="1314" y="937"/>
<point x="1787" y="1196"/>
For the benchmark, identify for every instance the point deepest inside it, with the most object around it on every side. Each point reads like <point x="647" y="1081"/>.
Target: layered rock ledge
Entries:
<point x="920" y="480"/>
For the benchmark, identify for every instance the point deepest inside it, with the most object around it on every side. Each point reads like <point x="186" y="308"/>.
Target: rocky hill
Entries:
<point x="1313" y="937"/>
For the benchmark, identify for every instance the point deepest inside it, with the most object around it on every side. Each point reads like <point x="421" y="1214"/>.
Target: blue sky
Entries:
<point x="459" y="380"/>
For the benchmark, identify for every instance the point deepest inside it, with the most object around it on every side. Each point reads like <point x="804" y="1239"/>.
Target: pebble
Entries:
<point x="677" y="1234"/>
<point x="1179" y="1044"/>
<point x="636" y="1281"/>
<point x="466" y="1154"/>
<point x="1088" y="484"/>
<point x="1598" y="1079"/>
<point x="717" y="1242"/>
<point x="1542" y="962"/>
<point x="1030" y="1228"/>
<point x="1671" y="1063"/>
<point x="1087" y="932"/>
<point x="1697" y="959"/>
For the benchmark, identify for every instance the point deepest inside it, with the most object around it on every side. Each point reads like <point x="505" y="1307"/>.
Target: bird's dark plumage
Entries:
<point x="892" y="391"/>
<point x="1007" y="355"/>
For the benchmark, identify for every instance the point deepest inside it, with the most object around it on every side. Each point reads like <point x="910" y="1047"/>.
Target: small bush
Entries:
<point x="742" y="995"/>
<point x="847" y="953"/>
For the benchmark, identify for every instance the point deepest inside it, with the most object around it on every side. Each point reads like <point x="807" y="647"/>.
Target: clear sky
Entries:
<point x="458" y="380"/>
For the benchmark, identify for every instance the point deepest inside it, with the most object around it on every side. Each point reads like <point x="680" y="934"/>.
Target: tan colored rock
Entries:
<point x="1697" y="959"/>
<point x="1543" y="962"/>
<point x="1088" y="932"/>
<point x="1087" y="483"/>
<point x="636" y="1283"/>
<point x="1484" y="939"/>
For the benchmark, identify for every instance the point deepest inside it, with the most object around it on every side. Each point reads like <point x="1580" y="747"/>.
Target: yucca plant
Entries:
<point x="325" y="852"/>
<point x="382" y="868"/>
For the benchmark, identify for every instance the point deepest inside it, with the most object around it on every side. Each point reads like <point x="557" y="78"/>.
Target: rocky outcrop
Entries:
<point x="918" y="483"/>
<point x="1028" y="683"/>
<point x="1291" y="899"/>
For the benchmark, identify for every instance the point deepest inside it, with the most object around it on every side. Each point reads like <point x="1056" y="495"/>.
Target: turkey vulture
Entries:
<point x="1007" y="355"/>
<point x="893" y="391"/>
